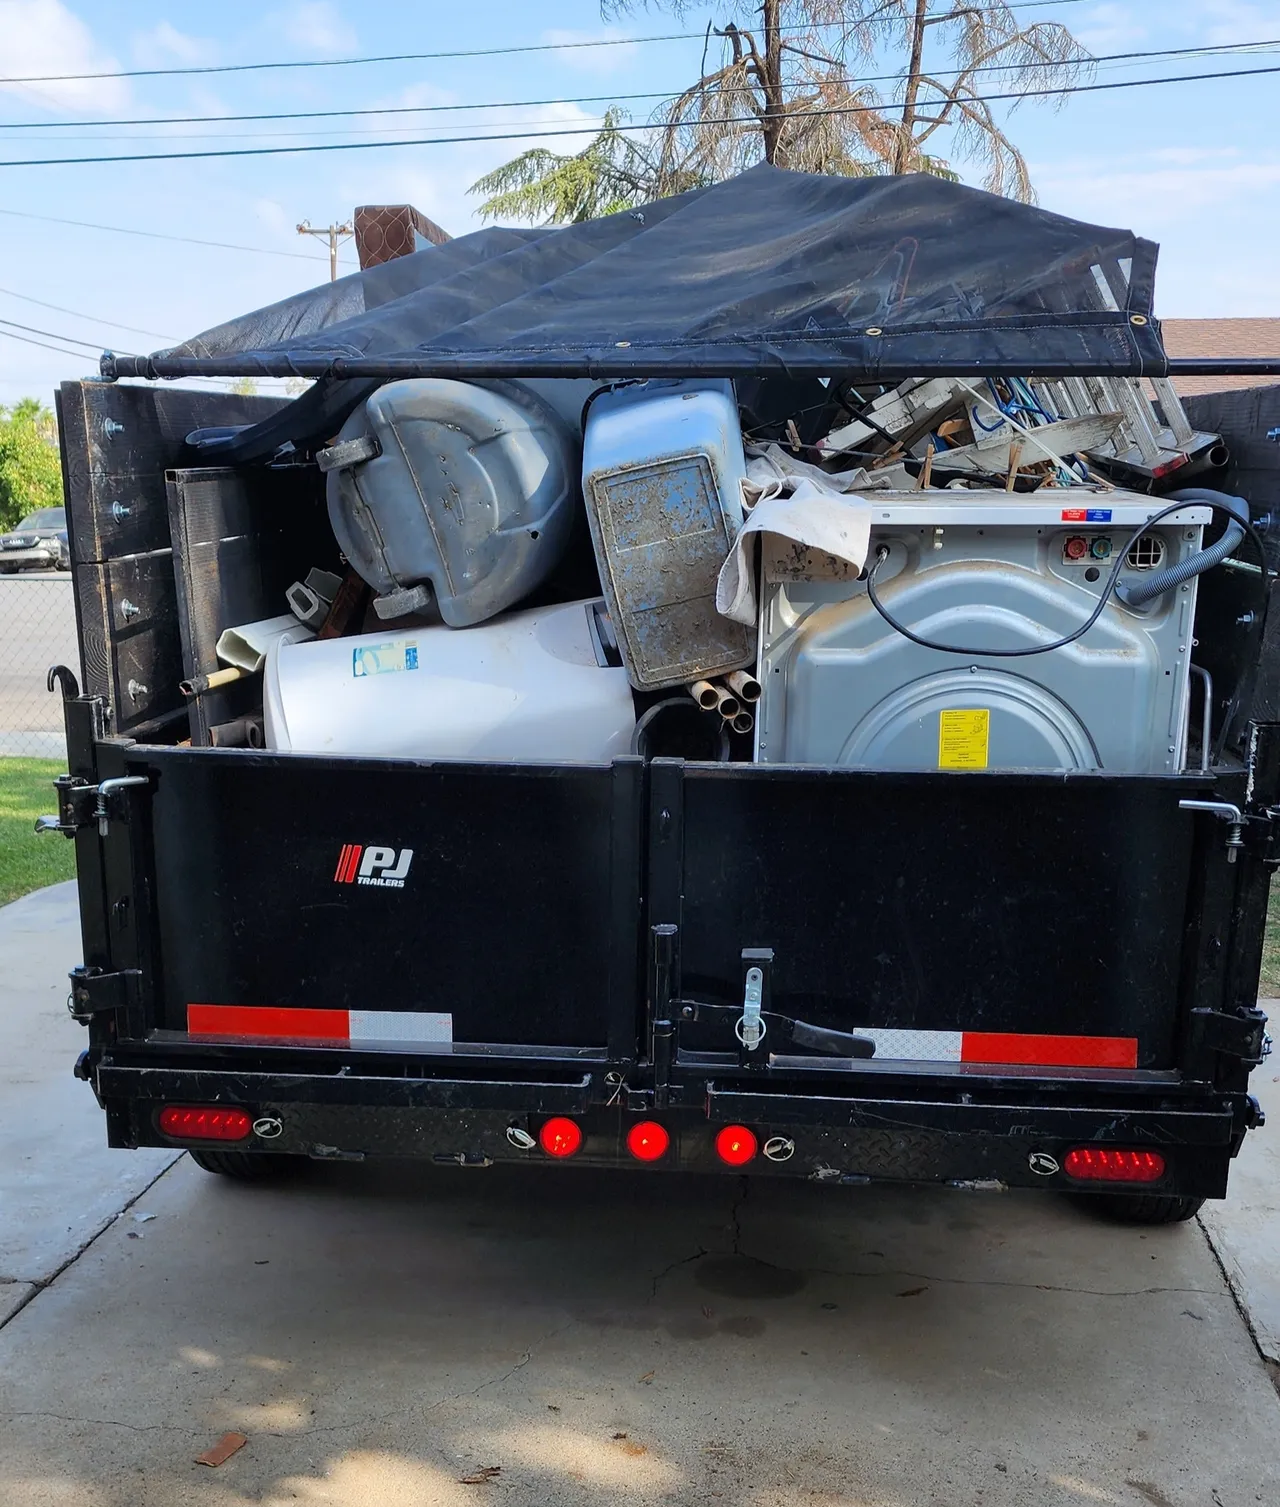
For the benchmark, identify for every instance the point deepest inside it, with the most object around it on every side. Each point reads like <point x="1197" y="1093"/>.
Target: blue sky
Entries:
<point x="1194" y="166"/>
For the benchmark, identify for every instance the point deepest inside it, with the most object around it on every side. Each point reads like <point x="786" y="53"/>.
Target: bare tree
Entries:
<point x="787" y="91"/>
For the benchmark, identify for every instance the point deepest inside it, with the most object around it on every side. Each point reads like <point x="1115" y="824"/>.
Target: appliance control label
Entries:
<point x="963" y="737"/>
<point x="385" y="659"/>
<point x="1086" y="515"/>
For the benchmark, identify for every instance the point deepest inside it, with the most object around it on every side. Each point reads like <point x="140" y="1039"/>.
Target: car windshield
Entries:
<point x="45" y="518"/>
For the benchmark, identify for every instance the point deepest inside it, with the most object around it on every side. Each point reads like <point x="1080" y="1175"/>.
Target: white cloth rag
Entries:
<point x="800" y="503"/>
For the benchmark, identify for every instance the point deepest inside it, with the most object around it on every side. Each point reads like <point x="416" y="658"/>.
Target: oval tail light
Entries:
<point x="204" y="1123"/>
<point x="1102" y="1164"/>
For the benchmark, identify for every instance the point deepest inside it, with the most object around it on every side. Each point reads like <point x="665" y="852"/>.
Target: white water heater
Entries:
<point x="533" y="685"/>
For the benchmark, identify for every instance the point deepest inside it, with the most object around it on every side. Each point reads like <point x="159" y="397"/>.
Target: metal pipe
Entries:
<point x="199" y="684"/>
<point x="744" y="685"/>
<point x="705" y="694"/>
<point x="728" y="706"/>
<point x="1206" y="716"/>
<point x="622" y="361"/>
<point x="743" y="722"/>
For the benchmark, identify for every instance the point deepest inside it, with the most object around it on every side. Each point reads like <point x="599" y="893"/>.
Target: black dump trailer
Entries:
<point x="997" y="976"/>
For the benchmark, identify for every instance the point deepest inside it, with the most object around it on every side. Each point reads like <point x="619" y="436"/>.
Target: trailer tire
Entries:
<point x="1143" y="1208"/>
<point x="246" y="1166"/>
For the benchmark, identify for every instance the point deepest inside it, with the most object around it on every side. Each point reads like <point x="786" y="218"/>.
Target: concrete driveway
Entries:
<point x="392" y="1335"/>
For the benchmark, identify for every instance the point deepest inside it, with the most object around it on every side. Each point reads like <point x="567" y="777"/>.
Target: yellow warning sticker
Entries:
<point x="963" y="736"/>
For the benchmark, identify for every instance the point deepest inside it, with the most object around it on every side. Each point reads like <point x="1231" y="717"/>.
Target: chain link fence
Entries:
<point x="37" y="629"/>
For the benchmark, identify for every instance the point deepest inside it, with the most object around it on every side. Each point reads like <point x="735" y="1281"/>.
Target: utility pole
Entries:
<point x="334" y="234"/>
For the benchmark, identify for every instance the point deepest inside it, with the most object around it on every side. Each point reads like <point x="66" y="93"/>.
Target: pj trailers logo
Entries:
<point x="384" y="867"/>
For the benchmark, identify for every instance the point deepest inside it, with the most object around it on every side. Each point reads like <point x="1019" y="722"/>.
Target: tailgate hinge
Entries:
<point x="94" y="992"/>
<point x="1243" y="1036"/>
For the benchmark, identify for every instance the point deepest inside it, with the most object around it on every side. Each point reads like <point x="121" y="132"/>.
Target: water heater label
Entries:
<point x="385" y="659"/>
<point x="1086" y="515"/>
<point x="963" y="738"/>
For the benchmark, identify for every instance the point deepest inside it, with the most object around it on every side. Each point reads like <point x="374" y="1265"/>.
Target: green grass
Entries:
<point x="28" y="862"/>
<point x="1269" y="983"/>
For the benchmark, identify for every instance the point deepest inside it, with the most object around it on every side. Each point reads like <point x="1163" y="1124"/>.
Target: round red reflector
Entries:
<point x="1099" y="1165"/>
<point x="647" y="1141"/>
<point x="560" y="1136"/>
<point x="196" y="1123"/>
<point x="736" y="1145"/>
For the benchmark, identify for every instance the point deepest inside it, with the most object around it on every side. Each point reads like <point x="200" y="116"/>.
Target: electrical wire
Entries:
<point x="1224" y="50"/>
<point x="728" y="120"/>
<point x="44" y="345"/>
<point x="93" y="345"/>
<point x="157" y="235"/>
<point x="423" y="57"/>
<point x="1108" y="590"/>
<point x="92" y="318"/>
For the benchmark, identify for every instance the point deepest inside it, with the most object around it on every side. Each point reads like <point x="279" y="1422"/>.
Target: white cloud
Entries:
<point x="619" y="54"/>
<point x="1183" y="207"/>
<point x="1109" y="28"/>
<point x="317" y="26"/>
<point x="166" y="44"/>
<point x="1231" y="21"/>
<point x="42" y="37"/>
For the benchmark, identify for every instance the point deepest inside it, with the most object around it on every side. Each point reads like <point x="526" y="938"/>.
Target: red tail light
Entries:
<point x="204" y="1123"/>
<point x="736" y="1145"/>
<point x="647" y="1141"/>
<point x="1094" y="1164"/>
<point x="560" y="1136"/>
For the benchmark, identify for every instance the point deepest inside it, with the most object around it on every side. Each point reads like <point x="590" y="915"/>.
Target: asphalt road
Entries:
<point x="37" y="629"/>
<point x="405" y="1336"/>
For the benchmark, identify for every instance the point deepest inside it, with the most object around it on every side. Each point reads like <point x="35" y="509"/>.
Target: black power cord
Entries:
<point x="882" y="554"/>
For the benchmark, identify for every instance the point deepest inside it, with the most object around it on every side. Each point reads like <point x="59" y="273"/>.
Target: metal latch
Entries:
<point x="75" y="806"/>
<point x="1243" y="1036"/>
<point x="1226" y="812"/>
<point x="751" y="1027"/>
<point x="94" y="992"/>
<point x="80" y="803"/>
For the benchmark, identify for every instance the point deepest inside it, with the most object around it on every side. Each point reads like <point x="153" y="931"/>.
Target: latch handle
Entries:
<point x="1226" y="812"/>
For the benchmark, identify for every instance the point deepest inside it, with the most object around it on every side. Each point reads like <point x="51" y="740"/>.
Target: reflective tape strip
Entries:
<point x="255" y="1020"/>
<point x="1050" y="1051"/>
<point x="1001" y="1048"/>
<point x="400" y="1025"/>
<point x="287" y="1024"/>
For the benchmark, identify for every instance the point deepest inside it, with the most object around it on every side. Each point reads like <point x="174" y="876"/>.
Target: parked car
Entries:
<point x="38" y="543"/>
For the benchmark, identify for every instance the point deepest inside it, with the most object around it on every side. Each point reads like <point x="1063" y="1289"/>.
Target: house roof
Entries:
<point x="1218" y="338"/>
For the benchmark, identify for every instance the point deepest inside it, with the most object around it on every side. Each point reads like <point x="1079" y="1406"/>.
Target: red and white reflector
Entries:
<point x="1002" y="1048"/>
<point x="736" y="1145"/>
<point x="198" y="1122"/>
<point x="647" y="1141"/>
<point x="1101" y="1164"/>
<point x="300" y="1023"/>
<point x="560" y="1136"/>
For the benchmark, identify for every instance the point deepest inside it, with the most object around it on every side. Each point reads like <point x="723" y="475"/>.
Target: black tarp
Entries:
<point x="771" y="273"/>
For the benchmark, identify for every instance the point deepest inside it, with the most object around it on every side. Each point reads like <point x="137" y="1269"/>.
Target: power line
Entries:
<point x="93" y="345"/>
<point x="157" y="235"/>
<point x="76" y="314"/>
<point x="44" y="345"/>
<point x="1224" y="50"/>
<point x="423" y="57"/>
<point x="728" y="120"/>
